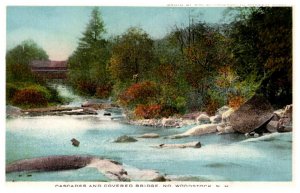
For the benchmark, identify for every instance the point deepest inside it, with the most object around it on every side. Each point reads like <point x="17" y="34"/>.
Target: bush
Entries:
<point x="103" y="91"/>
<point x="29" y="98"/>
<point x="40" y="89"/>
<point x="236" y="101"/>
<point x="139" y="93"/>
<point x="211" y="106"/>
<point x="148" y="111"/>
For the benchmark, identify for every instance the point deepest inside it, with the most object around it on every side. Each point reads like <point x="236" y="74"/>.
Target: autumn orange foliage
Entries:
<point x="236" y="101"/>
<point x="148" y="111"/>
<point x="139" y="93"/>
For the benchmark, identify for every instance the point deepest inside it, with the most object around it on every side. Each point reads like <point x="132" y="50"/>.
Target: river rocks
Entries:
<point x="222" y="110"/>
<point x="216" y="119"/>
<point x="191" y="116"/>
<point x="170" y="122"/>
<point x="146" y="122"/>
<point x="149" y="135"/>
<point x="226" y="115"/>
<point x="125" y="139"/>
<point x="97" y="104"/>
<point x="203" y="119"/>
<point x="12" y="111"/>
<point x="195" y="144"/>
<point x="75" y="142"/>
<point x="222" y="129"/>
<point x="252" y="115"/>
<point x="198" y="130"/>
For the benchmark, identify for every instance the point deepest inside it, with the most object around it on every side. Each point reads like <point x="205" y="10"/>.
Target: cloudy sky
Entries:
<point x="57" y="29"/>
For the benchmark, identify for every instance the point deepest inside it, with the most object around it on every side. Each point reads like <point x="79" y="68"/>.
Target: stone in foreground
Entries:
<point x="195" y="144"/>
<point x="75" y="142"/>
<point x="252" y="115"/>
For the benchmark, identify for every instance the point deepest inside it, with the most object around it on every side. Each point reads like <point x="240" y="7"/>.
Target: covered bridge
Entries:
<point x="49" y="69"/>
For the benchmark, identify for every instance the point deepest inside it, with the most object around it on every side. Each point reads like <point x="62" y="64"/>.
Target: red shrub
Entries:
<point x="139" y="93"/>
<point x="148" y="111"/>
<point x="103" y="91"/>
<point x="30" y="98"/>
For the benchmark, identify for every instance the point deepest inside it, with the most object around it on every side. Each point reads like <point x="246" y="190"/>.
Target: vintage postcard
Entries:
<point x="171" y="96"/>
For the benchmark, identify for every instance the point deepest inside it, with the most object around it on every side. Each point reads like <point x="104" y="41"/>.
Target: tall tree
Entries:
<point x="132" y="56"/>
<point x="262" y="45"/>
<point x="88" y="71"/>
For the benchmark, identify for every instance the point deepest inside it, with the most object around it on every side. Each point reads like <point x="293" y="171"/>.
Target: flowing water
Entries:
<point x="230" y="157"/>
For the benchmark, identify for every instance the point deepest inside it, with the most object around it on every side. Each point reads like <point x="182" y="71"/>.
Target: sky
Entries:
<point x="57" y="29"/>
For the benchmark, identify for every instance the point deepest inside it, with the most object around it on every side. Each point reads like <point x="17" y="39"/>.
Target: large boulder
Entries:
<point x="252" y="115"/>
<point x="125" y="139"/>
<point x="203" y="119"/>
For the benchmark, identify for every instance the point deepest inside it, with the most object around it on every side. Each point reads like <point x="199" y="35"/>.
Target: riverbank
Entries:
<point x="254" y="118"/>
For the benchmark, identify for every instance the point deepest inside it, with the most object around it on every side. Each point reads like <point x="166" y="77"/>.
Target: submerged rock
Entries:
<point x="125" y="139"/>
<point x="252" y="115"/>
<point x="195" y="144"/>
<point x="149" y="135"/>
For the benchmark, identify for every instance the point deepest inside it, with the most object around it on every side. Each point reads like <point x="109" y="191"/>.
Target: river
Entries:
<point x="230" y="157"/>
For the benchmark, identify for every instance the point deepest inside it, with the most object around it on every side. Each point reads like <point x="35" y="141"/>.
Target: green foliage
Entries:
<point x="262" y="46"/>
<point x="11" y="90"/>
<point x="18" y="59"/>
<point x="88" y="64"/>
<point x="132" y="56"/>
<point x="45" y="95"/>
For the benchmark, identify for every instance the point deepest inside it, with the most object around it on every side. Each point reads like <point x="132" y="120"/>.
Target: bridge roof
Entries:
<point x="48" y="64"/>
